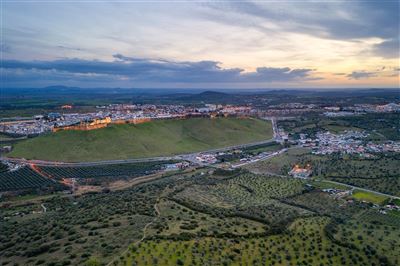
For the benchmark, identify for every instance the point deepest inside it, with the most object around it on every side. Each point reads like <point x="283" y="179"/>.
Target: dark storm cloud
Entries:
<point x="147" y="70"/>
<point x="388" y="49"/>
<point x="335" y="19"/>
<point x="361" y="75"/>
<point x="338" y="20"/>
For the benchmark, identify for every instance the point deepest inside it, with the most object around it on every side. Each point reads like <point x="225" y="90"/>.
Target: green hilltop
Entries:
<point x="156" y="138"/>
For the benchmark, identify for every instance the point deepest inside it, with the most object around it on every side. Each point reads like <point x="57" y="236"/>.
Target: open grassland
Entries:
<point x="157" y="138"/>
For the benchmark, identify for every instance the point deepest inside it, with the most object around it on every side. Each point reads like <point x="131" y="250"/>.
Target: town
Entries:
<point x="349" y="142"/>
<point x="115" y="114"/>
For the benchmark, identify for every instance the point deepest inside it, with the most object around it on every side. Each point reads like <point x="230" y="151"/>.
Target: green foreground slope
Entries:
<point x="158" y="138"/>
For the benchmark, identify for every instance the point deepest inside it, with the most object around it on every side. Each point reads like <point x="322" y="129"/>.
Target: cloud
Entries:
<point x="361" y="75"/>
<point x="147" y="70"/>
<point x="4" y="48"/>
<point x="68" y="48"/>
<point x="388" y="49"/>
<point x="335" y="19"/>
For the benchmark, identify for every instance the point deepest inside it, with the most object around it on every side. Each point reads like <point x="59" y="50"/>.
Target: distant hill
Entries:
<point x="157" y="138"/>
<point x="209" y="97"/>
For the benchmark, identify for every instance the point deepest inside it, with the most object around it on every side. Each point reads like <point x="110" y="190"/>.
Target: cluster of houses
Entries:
<point x="118" y="114"/>
<point x="359" y="109"/>
<point x="206" y="158"/>
<point x="300" y="172"/>
<point x="349" y="142"/>
<point x="338" y="193"/>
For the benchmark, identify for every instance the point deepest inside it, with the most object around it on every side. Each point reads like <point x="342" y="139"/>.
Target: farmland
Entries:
<point x="156" y="138"/>
<point x="368" y="196"/>
<point x="280" y="164"/>
<point x="72" y="231"/>
<point x="27" y="180"/>
<point x="298" y="246"/>
<point x="200" y="217"/>
<point x="371" y="237"/>
<point x="47" y="179"/>
<point x="103" y="173"/>
<point x="380" y="173"/>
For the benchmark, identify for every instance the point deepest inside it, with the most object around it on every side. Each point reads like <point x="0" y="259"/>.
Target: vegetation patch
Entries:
<point x="156" y="138"/>
<point x="369" y="197"/>
<point x="304" y="244"/>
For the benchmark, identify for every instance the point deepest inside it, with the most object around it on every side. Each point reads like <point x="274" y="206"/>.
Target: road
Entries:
<point x="260" y="159"/>
<point x="362" y="189"/>
<point x="328" y="181"/>
<point x="277" y="136"/>
<point x="141" y="160"/>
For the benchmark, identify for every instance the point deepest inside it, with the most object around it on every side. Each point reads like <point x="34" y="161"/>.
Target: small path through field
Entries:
<point x="144" y="231"/>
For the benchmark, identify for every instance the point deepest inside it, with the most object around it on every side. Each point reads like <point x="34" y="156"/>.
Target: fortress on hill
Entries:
<point x="104" y="122"/>
<point x="100" y="123"/>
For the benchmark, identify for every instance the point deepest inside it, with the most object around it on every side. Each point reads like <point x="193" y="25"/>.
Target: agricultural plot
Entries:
<point x="247" y="195"/>
<point x="195" y="218"/>
<point x="389" y="186"/>
<point x="371" y="237"/>
<point x="369" y="197"/>
<point x="3" y="168"/>
<point x="245" y="189"/>
<point x="26" y="179"/>
<point x="176" y="219"/>
<point x="334" y="167"/>
<point x="249" y="189"/>
<point x="117" y="171"/>
<point x="381" y="174"/>
<point x="304" y="244"/>
<point x="73" y="230"/>
<point x="374" y="217"/>
<point x="324" y="204"/>
<point x="280" y="164"/>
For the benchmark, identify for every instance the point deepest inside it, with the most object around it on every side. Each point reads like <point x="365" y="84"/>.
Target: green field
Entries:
<point x="369" y="197"/>
<point x="157" y="138"/>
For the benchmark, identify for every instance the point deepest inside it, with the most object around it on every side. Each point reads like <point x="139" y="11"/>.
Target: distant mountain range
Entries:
<point x="178" y="91"/>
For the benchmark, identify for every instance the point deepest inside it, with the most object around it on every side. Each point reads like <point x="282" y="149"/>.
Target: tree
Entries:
<point x="93" y="262"/>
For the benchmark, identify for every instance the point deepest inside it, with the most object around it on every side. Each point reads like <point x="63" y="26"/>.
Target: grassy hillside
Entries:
<point x="144" y="140"/>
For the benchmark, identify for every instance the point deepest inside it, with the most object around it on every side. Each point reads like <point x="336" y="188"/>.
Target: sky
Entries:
<point x="200" y="44"/>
